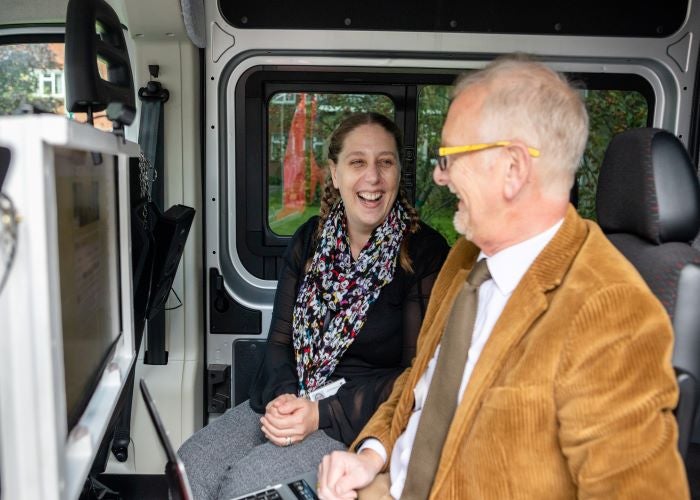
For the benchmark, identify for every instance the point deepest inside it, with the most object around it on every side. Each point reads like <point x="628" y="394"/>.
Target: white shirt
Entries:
<point x="507" y="268"/>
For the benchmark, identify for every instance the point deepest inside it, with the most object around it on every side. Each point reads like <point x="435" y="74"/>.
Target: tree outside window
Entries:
<point x="32" y="74"/>
<point x="22" y="71"/>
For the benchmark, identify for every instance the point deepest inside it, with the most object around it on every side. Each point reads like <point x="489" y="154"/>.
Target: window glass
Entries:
<point x="435" y="204"/>
<point x="610" y="111"/>
<point x="32" y="74"/>
<point x="298" y="125"/>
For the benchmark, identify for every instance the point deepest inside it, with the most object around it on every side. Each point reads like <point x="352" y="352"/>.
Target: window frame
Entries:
<point x="254" y="238"/>
<point x="258" y="248"/>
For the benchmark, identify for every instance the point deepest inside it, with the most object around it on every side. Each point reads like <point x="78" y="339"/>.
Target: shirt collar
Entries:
<point x="508" y="266"/>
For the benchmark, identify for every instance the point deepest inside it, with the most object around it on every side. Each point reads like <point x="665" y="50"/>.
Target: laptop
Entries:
<point x="298" y="488"/>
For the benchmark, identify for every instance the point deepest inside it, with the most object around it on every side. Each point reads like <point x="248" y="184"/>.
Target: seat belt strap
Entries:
<point x="151" y="139"/>
<point x="151" y="134"/>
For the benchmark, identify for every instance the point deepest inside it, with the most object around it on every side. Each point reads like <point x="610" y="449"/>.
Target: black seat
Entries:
<point x="648" y="204"/>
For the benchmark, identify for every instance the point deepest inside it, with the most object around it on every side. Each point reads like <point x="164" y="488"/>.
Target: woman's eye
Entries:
<point x="357" y="162"/>
<point x="386" y="162"/>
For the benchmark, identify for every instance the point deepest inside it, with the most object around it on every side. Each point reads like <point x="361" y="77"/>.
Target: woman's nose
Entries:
<point x="373" y="173"/>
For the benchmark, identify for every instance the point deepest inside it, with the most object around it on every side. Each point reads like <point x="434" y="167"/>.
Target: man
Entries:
<point x="567" y="390"/>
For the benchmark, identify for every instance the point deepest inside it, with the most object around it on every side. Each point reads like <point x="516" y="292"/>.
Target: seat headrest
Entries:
<point x="648" y="187"/>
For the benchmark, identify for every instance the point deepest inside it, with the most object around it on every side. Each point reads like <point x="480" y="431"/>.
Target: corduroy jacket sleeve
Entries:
<point x="615" y="391"/>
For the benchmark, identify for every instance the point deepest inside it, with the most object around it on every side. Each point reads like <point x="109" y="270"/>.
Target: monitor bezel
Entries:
<point x="38" y="454"/>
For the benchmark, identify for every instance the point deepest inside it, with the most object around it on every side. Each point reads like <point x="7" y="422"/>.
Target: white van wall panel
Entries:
<point x="191" y="189"/>
<point x="147" y="452"/>
<point x="660" y="54"/>
<point x="192" y="262"/>
<point x="177" y="385"/>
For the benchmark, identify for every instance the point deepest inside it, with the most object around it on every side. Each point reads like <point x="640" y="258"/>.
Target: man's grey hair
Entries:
<point x="528" y="101"/>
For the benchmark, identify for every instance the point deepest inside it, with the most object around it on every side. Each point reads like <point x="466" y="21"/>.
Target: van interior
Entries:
<point x="207" y="122"/>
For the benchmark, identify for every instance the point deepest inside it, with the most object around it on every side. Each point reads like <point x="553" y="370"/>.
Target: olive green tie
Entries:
<point x="441" y="402"/>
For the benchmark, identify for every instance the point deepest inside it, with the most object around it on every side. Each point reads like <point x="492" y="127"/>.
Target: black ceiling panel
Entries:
<point x="599" y="18"/>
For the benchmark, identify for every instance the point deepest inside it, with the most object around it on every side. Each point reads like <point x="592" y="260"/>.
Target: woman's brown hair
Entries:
<point x="331" y="194"/>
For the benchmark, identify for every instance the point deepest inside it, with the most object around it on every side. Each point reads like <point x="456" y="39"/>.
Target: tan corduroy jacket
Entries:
<point x="572" y="396"/>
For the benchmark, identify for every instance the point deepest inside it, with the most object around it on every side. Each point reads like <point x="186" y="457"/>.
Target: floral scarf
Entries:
<point x="342" y="290"/>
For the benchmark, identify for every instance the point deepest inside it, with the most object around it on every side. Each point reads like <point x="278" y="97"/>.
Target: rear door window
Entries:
<point x="32" y="79"/>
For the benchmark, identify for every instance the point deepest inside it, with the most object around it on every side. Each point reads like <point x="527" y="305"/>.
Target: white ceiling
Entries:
<point x="33" y="11"/>
<point x="151" y="19"/>
<point x="154" y="19"/>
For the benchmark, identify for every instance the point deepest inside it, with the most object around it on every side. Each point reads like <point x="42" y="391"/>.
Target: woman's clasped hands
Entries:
<point x="289" y="419"/>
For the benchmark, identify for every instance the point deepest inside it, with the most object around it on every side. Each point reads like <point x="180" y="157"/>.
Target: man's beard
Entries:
<point x="461" y="224"/>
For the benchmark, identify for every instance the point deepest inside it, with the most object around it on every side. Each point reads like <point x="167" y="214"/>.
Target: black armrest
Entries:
<point x="685" y="411"/>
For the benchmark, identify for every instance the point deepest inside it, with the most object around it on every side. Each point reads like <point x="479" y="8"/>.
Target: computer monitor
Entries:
<point x="66" y="312"/>
<point x="88" y="265"/>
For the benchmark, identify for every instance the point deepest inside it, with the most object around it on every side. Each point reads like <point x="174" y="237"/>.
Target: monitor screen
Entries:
<point x="88" y="248"/>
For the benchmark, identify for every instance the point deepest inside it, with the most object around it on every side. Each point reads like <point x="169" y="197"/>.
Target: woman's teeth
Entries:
<point x="369" y="196"/>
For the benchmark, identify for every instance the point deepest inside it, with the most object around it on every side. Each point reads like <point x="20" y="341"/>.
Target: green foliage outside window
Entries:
<point x="20" y="67"/>
<point x="610" y="112"/>
<point x="435" y="204"/>
<point x="32" y="74"/>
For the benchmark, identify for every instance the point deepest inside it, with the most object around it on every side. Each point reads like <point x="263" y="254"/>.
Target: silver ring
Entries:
<point x="289" y="441"/>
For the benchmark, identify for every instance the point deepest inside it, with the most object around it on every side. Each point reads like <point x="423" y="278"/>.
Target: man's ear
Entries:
<point x="332" y="167"/>
<point x="518" y="170"/>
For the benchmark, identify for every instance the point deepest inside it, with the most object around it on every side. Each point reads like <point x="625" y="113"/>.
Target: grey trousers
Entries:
<point x="231" y="456"/>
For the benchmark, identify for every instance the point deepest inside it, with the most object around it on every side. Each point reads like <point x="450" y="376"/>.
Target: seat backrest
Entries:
<point x="648" y="204"/>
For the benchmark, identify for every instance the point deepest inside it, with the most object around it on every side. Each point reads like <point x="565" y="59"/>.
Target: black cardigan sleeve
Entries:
<point x="277" y="374"/>
<point x="343" y="415"/>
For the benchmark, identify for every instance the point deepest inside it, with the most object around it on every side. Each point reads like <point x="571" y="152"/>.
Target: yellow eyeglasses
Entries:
<point x="445" y="152"/>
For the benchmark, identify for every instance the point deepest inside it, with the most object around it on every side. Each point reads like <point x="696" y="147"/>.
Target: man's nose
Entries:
<point x="440" y="176"/>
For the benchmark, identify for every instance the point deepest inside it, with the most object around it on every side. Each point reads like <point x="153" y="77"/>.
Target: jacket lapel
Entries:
<point x="525" y="305"/>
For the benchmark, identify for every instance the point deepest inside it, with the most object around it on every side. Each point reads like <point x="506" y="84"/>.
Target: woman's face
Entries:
<point x="367" y="176"/>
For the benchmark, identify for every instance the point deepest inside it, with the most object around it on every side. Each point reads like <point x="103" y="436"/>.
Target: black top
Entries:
<point x="383" y="348"/>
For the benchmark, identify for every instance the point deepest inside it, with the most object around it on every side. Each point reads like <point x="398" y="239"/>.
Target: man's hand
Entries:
<point x="341" y="473"/>
<point x="289" y="419"/>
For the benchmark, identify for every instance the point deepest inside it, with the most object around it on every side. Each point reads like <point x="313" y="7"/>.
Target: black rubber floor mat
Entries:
<point x="136" y="486"/>
<point x="692" y="464"/>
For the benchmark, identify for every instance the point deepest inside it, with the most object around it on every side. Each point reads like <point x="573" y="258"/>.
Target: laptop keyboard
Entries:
<point x="264" y="495"/>
<point x="302" y="490"/>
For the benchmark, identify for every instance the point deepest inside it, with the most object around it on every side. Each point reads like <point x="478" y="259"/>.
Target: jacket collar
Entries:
<point x="508" y="266"/>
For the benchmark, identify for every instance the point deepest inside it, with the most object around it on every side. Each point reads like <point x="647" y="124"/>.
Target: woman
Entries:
<point x="350" y="300"/>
